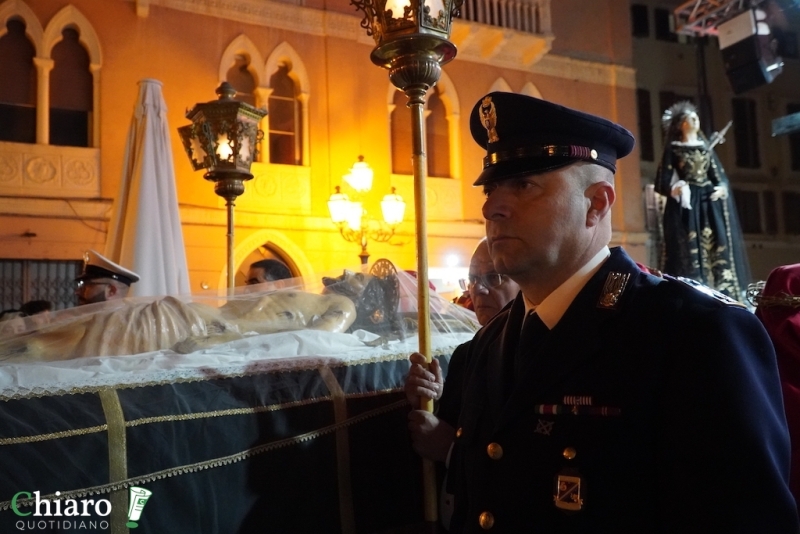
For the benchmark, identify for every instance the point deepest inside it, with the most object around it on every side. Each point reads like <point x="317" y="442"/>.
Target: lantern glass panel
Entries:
<point x="360" y="177"/>
<point x="224" y="148"/>
<point x="397" y="7"/>
<point x="393" y="208"/>
<point x="436" y="7"/>
<point x="338" y="206"/>
<point x="355" y="210"/>
<point x="245" y="153"/>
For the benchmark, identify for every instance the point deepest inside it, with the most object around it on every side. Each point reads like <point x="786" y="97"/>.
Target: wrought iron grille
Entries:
<point x="24" y="280"/>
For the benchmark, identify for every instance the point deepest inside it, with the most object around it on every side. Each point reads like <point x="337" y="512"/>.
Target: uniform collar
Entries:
<point x="553" y="307"/>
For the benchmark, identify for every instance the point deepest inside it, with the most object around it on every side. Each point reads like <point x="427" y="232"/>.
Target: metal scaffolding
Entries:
<point x="701" y="17"/>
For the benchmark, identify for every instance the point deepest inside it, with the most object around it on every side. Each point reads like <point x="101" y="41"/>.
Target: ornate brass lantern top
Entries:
<point x="390" y="22"/>
<point x="223" y="135"/>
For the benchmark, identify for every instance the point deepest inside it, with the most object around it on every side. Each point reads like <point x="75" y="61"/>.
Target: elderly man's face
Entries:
<point x="535" y="225"/>
<point x="488" y="298"/>
<point x="255" y="275"/>
<point x="91" y="291"/>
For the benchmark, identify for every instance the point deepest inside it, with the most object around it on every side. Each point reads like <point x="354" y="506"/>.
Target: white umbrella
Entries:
<point x="145" y="234"/>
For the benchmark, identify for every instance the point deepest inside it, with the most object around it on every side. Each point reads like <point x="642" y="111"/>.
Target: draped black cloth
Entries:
<point x="703" y="242"/>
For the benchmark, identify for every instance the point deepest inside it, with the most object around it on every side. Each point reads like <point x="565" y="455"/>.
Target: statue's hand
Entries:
<point x="720" y="192"/>
<point x="682" y="193"/>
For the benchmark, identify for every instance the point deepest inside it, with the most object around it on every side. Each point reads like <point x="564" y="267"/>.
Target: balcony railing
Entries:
<point x="529" y="16"/>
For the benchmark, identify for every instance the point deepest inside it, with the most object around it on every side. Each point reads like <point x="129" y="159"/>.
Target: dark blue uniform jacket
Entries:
<point x="658" y="413"/>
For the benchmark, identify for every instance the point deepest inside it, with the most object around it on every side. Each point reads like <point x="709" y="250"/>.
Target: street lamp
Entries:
<point x="355" y="224"/>
<point x="222" y="139"/>
<point x="411" y="38"/>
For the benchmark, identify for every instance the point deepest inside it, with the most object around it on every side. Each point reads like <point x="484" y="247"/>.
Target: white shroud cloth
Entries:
<point x="145" y="233"/>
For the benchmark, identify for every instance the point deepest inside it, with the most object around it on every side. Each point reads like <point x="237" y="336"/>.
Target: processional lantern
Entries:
<point x="411" y="38"/>
<point x="223" y="140"/>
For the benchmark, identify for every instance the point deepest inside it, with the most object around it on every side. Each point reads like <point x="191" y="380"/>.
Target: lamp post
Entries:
<point x="411" y="38"/>
<point x="222" y="139"/>
<point x="354" y="223"/>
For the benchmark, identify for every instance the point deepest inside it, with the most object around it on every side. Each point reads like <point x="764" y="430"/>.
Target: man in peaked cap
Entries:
<point x="604" y="398"/>
<point x="102" y="279"/>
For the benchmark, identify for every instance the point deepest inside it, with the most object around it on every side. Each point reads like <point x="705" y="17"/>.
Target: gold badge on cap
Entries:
<point x="568" y="493"/>
<point x="612" y="290"/>
<point x="489" y="118"/>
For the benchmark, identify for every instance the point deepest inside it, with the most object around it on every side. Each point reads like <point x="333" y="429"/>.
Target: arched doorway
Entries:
<point x="264" y="252"/>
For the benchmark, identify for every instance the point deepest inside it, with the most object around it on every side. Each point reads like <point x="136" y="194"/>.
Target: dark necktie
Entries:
<point x="534" y="332"/>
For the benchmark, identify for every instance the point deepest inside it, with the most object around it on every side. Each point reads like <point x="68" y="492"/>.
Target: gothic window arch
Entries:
<point x="287" y="135"/>
<point x="18" y="88"/>
<point x="442" y="132"/>
<point x="531" y="90"/>
<point x="71" y="98"/>
<point x="71" y="75"/>
<point x="242" y="67"/>
<point x="501" y="85"/>
<point x="20" y="45"/>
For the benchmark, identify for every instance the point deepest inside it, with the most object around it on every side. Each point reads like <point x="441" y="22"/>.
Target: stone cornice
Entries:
<point x="586" y="71"/>
<point x="56" y="208"/>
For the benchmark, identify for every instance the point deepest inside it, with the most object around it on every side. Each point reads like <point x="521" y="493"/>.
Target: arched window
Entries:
<point x="437" y="136"/>
<point x="439" y="142"/>
<point x="285" y="120"/>
<point x="401" y="135"/>
<point x="17" y="85"/>
<point x="240" y="77"/>
<point x="71" y="92"/>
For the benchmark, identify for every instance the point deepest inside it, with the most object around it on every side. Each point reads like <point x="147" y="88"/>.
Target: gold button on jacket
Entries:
<point x="486" y="520"/>
<point x="570" y="453"/>
<point x="495" y="451"/>
<point x="459" y="432"/>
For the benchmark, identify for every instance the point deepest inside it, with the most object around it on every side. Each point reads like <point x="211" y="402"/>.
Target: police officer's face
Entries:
<point x="487" y="298"/>
<point x="535" y="225"/>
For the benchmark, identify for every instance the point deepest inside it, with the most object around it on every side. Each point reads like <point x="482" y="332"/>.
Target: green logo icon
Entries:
<point x="138" y="499"/>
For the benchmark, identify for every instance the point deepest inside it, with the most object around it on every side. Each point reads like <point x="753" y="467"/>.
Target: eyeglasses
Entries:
<point x="489" y="280"/>
<point x="80" y="285"/>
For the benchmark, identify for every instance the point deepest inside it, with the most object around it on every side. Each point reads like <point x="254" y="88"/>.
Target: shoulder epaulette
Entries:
<point x="713" y="293"/>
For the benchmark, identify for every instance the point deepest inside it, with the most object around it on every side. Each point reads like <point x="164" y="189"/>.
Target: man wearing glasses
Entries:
<point x="488" y="290"/>
<point x="102" y="280"/>
<point x="432" y="435"/>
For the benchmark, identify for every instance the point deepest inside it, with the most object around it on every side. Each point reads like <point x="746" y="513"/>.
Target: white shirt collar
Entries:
<point x="553" y="307"/>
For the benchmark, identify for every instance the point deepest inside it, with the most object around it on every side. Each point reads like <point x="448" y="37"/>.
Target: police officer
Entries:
<point x="604" y="399"/>
<point x="102" y="279"/>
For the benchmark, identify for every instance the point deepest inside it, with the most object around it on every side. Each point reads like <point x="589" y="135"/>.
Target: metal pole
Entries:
<point x="229" y="204"/>
<point x="416" y="101"/>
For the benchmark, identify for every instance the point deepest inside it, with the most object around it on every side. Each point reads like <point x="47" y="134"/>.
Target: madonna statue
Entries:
<point x="702" y="238"/>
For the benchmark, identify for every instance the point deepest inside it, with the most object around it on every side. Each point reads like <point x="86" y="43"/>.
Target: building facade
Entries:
<point x="68" y="81"/>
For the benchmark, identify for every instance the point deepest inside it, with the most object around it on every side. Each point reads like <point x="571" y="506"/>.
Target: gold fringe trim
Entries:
<point x="53" y="435"/>
<point x="210" y="464"/>
<point x="188" y="417"/>
<point x="254" y="371"/>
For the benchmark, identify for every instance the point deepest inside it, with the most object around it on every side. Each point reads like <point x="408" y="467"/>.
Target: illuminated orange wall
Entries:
<point x="348" y="116"/>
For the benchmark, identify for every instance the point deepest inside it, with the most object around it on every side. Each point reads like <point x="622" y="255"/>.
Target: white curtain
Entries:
<point x="145" y="233"/>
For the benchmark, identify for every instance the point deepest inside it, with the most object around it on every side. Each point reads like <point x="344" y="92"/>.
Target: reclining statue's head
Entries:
<point x="375" y="306"/>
